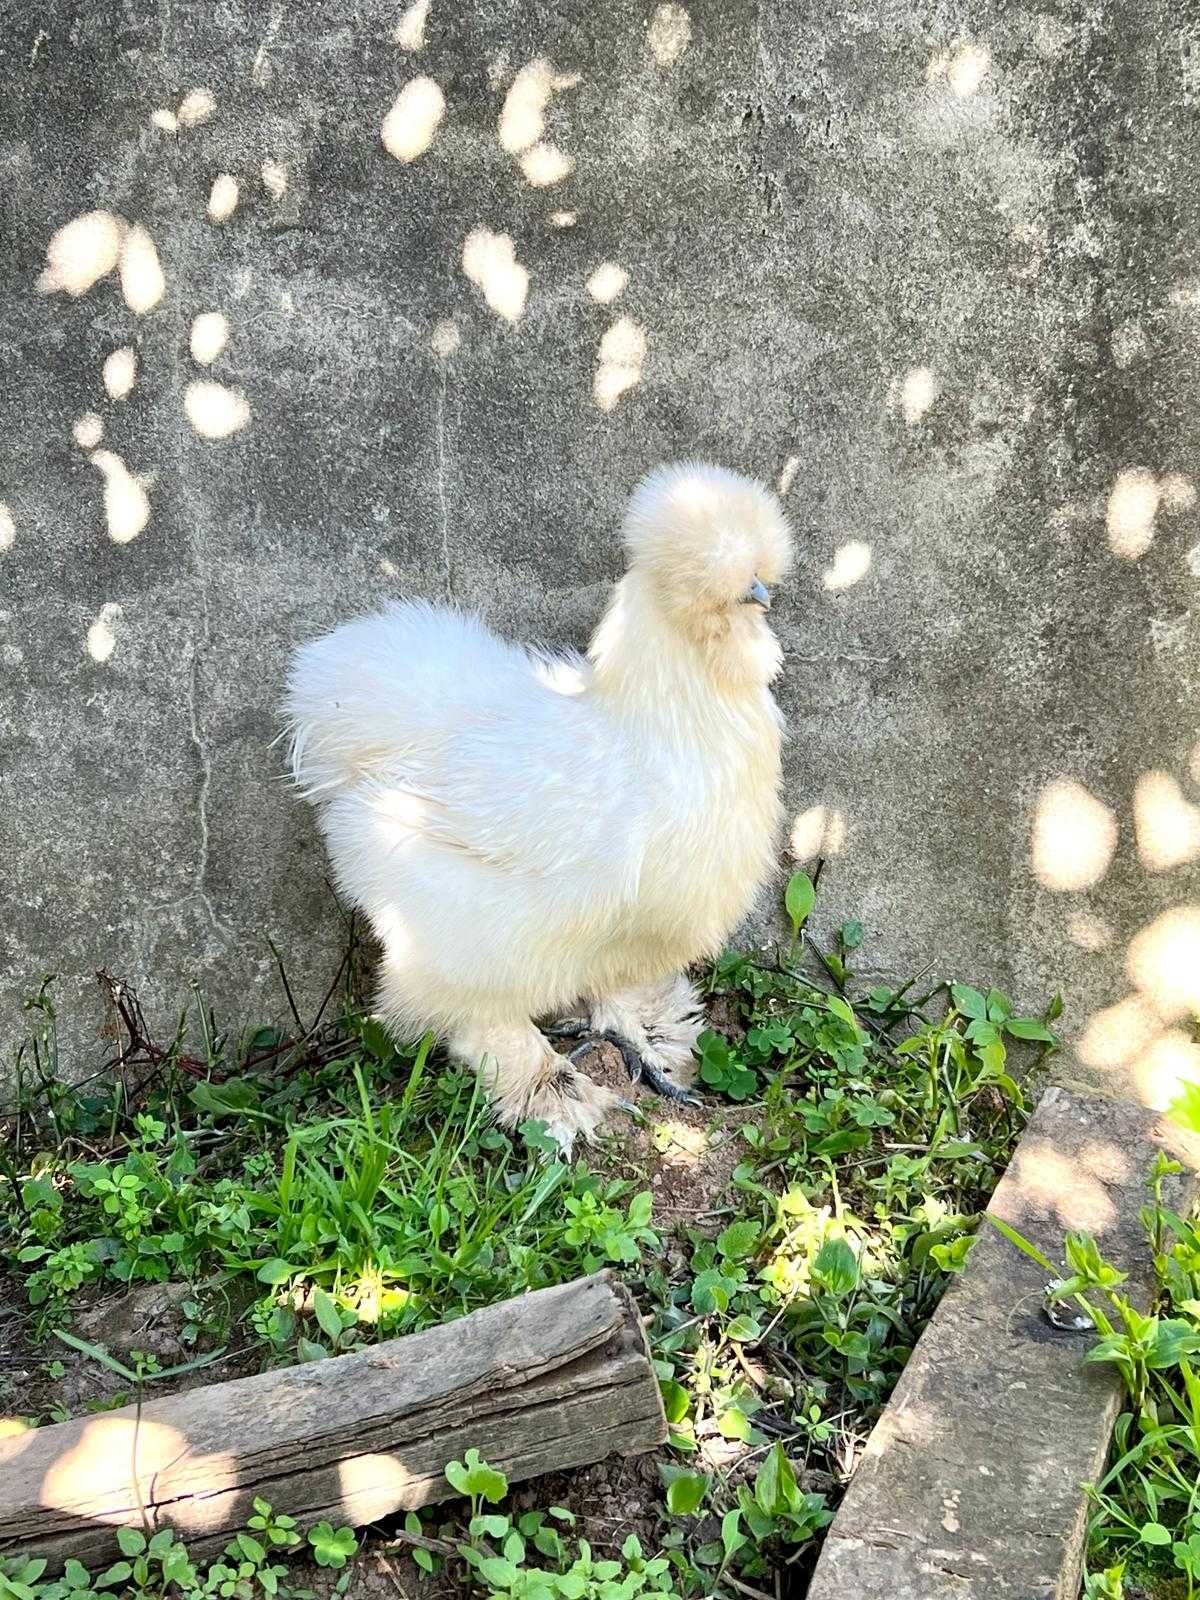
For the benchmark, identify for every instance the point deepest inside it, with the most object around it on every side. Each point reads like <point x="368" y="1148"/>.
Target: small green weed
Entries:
<point x="154" y="1566"/>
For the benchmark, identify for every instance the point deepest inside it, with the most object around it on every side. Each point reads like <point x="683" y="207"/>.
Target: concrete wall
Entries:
<point x="934" y="269"/>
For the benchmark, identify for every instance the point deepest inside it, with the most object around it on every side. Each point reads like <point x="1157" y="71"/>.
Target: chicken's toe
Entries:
<point x="571" y="1106"/>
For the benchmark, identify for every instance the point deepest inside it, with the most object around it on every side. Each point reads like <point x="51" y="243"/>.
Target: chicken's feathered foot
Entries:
<point x="639" y="1069"/>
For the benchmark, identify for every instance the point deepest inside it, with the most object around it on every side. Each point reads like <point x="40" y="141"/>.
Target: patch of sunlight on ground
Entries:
<point x="101" y="636"/>
<point x="82" y="252"/>
<point x="1074" y="837"/>
<point x="619" y="362"/>
<point x="410" y="126"/>
<point x="1167" y="825"/>
<point x="214" y="410"/>
<point x="1051" y="1185"/>
<point x="126" y="503"/>
<point x="8" y="528"/>
<point x="680" y="1143"/>
<point x="669" y="34"/>
<point x="563" y="219"/>
<point x="851" y="563"/>
<point x="490" y="262"/>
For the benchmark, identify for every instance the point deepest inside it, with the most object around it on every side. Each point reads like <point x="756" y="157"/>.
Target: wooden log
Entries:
<point x="554" y="1379"/>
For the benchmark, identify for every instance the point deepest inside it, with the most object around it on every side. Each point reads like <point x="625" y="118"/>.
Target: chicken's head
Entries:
<point x="706" y="545"/>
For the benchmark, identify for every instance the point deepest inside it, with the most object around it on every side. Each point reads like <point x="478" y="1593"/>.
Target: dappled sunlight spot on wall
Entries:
<point x="819" y="831"/>
<point x="1117" y="1035"/>
<point x="546" y="165"/>
<point x="1178" y="491"/>
<point x="1161" y="1071"/>
<point x="223" y="197"/>
<point x="1130" y="513"/>
<point x="913" y="394"/>
<point x="619" y="362"/>
<point x="126" y="503"/>
<point x="120" y="372"/>
<point x="523" y="115"/>
<point x="82" y="252"/>
<point x="1088" y="931"/>
<point x="851" y="563"/>
<point x="371" y="1486"/>
<point x="87" y="430"/>
<point x="197" y="106"/>
<point x="1051" y="1185"/>
<point x="607" y="282"/>
<point x="1167" y="825"/>
<point x="490" y="262"/>
<point x="1074" y="837"/>
<point x="274" y="178"/>
<point x="214" y="410"/>
<point x="445" y="338"/>
<point x="962" y="68"/>
<point x="410" y="30"/>
<point x="787" y="475"/>
<point x="1129" y="344"/>
<point x="8" y="528"/>
<point x="669" y="34"/>
<point x="164" y="120"/>
<point x="1163" y="962"/>
<point x="101" y="638"/>
<point x="209" y="336"/>
<point x="409" y="128"/>
<point x="142" y="280"/>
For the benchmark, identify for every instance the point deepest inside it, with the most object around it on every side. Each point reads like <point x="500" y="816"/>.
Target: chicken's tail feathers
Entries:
<point x="327" y="727"/>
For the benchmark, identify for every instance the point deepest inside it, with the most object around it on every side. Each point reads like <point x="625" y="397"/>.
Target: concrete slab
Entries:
<point x="970" y="1483"/>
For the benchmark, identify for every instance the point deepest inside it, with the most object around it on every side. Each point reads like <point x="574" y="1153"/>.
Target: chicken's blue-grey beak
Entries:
<point x="757" y="595"/>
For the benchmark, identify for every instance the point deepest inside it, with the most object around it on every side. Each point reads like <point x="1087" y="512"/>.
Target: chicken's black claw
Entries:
<point x="642" y="1071"/>
<point x="567" y="1028"/>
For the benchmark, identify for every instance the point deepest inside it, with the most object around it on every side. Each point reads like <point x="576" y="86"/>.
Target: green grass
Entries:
<point x="325" y="1190"/>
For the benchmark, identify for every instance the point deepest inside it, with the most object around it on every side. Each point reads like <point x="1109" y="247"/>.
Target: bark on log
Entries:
<point x="555" y="1379"/>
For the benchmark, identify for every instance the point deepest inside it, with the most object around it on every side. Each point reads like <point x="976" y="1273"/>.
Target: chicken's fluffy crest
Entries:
<point x="529" y="832"/>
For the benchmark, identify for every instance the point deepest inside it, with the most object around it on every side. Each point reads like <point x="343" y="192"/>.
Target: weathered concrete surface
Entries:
<point x="970" y="1485"/>
<point x="936" y="268"/>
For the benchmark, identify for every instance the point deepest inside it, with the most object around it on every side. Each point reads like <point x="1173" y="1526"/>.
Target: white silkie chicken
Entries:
<point x="532" y="833"/>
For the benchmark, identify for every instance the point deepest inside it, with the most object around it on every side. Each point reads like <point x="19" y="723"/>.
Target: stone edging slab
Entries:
<point x="970" y="1483"/>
